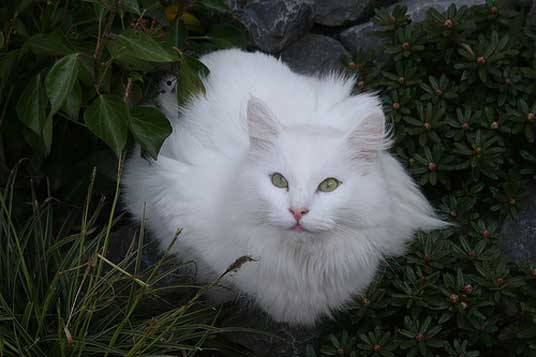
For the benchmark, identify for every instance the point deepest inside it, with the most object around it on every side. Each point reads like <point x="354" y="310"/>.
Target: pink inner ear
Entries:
<point x="368" y="137"/>
<point x="262" y="124"/>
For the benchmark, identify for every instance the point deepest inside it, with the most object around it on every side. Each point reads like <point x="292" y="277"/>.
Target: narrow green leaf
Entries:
<point x="32" y="105"/>
<point x="150" y="128"/>
<point x="131" y="6"/>
<point x="60" y="80"/>
<point x="107" y="118"/>
<point x="177" y="33"/>
<point x="142" y="46"/>
<point x="48" y="127"/>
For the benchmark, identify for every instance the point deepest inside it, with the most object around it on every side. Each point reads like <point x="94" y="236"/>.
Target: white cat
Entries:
<point x="289" y="169"/>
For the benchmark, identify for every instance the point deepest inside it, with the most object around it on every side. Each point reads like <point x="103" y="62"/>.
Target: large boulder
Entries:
<point x="314" y="54"/>
<point x="341" y="12"/>
<point x="274" y="24"/>
<point x="361" y="37"/>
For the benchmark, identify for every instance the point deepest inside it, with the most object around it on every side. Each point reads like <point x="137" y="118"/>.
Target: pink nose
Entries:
<point x="298" y="213"/>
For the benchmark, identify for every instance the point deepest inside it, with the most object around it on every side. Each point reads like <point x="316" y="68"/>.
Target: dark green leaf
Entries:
<point x="150" y="128"/>
<point x="177" y="33"/>
<point x="142" y="46"/>
<point x="60" y="81"/>
<point x="189" y="78"/>
<point x="51" y="44"/>
<point x="73" y="101"/>
<point x="107" y="117"/>
<point x="216" y="5"/>
<point x="227" y="36"/>
<point x="32" y="104"/>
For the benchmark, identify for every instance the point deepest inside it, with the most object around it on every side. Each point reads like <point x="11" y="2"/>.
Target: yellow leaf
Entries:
<point x="192" y="23"/>
<point x="171" y="12"/>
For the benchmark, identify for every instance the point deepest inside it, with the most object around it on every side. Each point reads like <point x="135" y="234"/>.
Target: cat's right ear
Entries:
<point x="369" y="136"/>
<point x="262" y="124"/>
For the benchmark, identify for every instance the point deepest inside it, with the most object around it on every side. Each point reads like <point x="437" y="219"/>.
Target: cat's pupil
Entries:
<point x="169" y="83"/>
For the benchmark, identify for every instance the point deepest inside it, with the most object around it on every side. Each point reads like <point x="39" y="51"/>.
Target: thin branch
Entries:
<point x="101" y="40"/>
<point x="128" y="88"/>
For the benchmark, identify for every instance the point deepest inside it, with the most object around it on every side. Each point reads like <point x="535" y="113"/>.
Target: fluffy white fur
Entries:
<point x="213" y="180"/>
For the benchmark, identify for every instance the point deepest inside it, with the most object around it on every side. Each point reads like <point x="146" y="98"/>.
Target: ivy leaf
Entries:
<point x="227" y="36"/>
<point x="216" y="5"/>
<point x="73" y="101"/>
<point x="144" y="47"/>
<point x="123" y="55"/>
<point x="51" y="44"/>
<point x="107" y="118"/>
<point x="190" y="81"/>
<point x="32" y="105"/>
<point x="60" y="81"/>
<point x="150" y="128"/>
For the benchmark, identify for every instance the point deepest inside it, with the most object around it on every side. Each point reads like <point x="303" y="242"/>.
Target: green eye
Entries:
<point x="328" y="185"/>
<point x="279" y="180"/>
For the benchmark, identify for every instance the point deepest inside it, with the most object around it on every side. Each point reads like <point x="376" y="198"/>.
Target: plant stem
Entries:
<point x="101" y="40"/>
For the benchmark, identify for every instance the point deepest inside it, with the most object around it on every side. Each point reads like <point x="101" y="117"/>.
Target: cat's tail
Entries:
<point x="412" y="212"/>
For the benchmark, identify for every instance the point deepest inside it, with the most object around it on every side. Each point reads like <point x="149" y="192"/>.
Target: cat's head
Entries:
<point x="313" y="179"/>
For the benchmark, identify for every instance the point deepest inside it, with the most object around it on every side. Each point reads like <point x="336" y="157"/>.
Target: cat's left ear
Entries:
<point x="262" y="124"/>
<point x="369" y="136"/>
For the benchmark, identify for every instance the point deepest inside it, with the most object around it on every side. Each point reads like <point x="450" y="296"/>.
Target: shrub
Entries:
<point x="74" y="75"/>
<point x="459" y="89"/>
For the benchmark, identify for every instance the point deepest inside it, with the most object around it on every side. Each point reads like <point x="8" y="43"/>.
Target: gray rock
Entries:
<point x="519" y="236"/>
<point x="274" y="24"/>
<point x="313" y="54"/>
<point x="531" y="18"/>
<point x="340" y="12"/>
<point x="361" y="37"/>
<point x="417" y="8"/>
<point x="336" y="13"/>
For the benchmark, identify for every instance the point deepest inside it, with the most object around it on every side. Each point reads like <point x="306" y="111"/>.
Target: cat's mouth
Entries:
<point x="298" y="228"/>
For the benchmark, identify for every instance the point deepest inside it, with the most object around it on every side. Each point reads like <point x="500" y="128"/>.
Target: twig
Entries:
<point x="101" y="40"/>
<point x="126" y="97"/>
<point x="11" y="30"/>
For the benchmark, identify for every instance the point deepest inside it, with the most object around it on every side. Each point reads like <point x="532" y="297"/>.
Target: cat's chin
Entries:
<point x="301" y="230"/>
